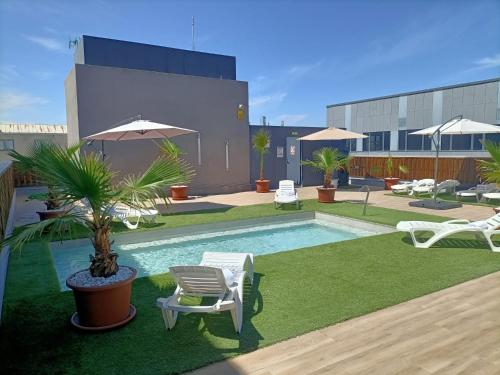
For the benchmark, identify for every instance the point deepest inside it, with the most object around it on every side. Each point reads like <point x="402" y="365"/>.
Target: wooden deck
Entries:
<point x="453" y="331"/>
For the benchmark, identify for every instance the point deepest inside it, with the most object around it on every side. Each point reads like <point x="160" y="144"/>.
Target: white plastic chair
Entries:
<point x="487" y="228"/>
<point x="224" y="280"/>
<point x="403" y="187"/>
<point x="124" y="213"/>
<point x="286" y="193"/>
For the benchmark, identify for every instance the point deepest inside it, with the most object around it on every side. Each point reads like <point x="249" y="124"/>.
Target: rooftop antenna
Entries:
<point x="192" y="33"/>
<point x="73" y="43"/>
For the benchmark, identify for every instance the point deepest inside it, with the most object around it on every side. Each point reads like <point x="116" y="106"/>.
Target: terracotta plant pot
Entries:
<point x="326" y="195"/>
<point x="103" y="307"/>
<point x="389" y="181"/>
<point x="262" y="186"/>
<point x="50" y="214"/>
<point x="179" y="193"/>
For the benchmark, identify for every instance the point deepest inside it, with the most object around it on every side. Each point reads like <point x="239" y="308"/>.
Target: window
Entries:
<point x="414" y="142"/>
<point x="387" y="141"/>
<point x="365" y="142"/>
<point x="476" y="141"/>
<point x="461" y="142"/>
<point x="445" y="142"/>
<point x="6" y="144"/>
<point x="427" y="143"/>
<point x="376" y="141"/>
<point x="402" y="140"/>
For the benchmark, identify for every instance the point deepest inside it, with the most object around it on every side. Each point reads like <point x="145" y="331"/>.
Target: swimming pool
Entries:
<point x="153" y="254"/>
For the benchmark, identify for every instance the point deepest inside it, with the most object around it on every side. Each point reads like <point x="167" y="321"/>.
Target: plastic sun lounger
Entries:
<point x="494" y="196"/>
<point x="286" y="194"/>
<point x="487" y="228"/>
<point x="124" y="213"/>
<point x="403" y="187"/>
<point x="422" y="186"/>
<point x="477" y="191"/>
<point x="219" y="275"/>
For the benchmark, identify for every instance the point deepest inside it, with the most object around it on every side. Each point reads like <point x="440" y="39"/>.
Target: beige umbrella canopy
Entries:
<point x="331" y="134"/>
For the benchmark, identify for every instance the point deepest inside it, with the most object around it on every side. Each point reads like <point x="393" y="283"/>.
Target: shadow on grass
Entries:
<point x="459" y="242"/>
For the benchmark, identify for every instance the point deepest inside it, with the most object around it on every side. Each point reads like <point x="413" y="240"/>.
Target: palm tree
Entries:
<point x="489" y="170"/>
<point x="260" y="142"/>
<point x="85" y="178"/>
<point x="327" y="160"/>
<point x="29" y="163"/>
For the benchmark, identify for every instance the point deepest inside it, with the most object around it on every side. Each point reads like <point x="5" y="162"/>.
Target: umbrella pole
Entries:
<point x="436" y="142"/>
<point x="102" y="149"/>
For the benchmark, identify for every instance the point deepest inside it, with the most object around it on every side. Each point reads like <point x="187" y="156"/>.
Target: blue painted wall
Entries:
<point x="122" y="54"/>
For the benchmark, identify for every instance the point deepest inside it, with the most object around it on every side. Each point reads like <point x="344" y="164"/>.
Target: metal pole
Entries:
<point x="102" y="149"/>
<point x="436" y="139"/>
<point x="192" y="33"/>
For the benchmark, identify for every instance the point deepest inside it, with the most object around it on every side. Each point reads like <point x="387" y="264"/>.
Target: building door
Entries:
<point x="293" y="159"/>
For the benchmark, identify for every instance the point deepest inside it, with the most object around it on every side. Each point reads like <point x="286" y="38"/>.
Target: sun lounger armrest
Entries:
<point x="457" y="221"/>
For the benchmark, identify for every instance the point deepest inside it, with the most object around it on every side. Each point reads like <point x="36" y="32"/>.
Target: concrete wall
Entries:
<point x="23" y="141"/>
<point x="274" y="167"/>
<point x="106" y="96"/>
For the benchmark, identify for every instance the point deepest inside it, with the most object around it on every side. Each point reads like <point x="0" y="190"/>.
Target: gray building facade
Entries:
<point x="389" y="120"/>
<point x="108" y="85"/>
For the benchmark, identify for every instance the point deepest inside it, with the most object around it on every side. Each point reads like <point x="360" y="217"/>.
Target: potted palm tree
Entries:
<point x="102" y="292"/>
<point x="260" y="143"/>
<point x="327" y="160"/>
<point x="389" y="168"/>
<point x="28" y="163"/>
<point x="170" y="150"/>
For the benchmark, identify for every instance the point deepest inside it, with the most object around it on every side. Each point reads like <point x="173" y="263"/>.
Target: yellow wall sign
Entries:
<point x="240" y="114"/>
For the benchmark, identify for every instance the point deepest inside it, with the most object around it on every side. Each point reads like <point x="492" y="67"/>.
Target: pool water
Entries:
<point x="155" y="257"/>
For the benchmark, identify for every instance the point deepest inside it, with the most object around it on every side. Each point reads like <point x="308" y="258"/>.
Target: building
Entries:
<point x="389" y="120"/>
<point x="20" y="137"/>
<point x="283" y="161"/>
<point x="113" y="81"/>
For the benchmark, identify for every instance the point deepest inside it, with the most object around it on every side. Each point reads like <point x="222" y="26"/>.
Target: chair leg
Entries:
<point x="169" y="317"/>
<point x="237" y="316"/>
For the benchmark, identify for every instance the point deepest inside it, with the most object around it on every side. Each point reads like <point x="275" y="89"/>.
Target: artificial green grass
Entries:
<point x="294" y="292"/>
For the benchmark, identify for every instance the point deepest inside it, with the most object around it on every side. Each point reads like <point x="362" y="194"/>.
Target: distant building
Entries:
<point x="20" y="137"/>
<point x="389" y="120"/>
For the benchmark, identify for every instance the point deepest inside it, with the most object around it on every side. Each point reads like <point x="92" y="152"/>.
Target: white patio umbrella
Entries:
<point x="455" y="126"/>
<point x="332" y="134"/>
<point x="138" y="129"/>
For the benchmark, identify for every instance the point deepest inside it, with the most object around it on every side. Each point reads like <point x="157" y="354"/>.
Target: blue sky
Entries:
<point x="297" y="56"/>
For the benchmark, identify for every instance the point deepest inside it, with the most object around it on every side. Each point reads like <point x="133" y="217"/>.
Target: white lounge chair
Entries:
<point x="124" y="213"/>
<point x="487" y="228"/>
<point x="219" y="275"/>
<point x="476" y="191"/>
<point x="403" y="187"/>
<point x="286" y="193"/>
<point x="422" y="186"/>
<point x="488" y="196"/>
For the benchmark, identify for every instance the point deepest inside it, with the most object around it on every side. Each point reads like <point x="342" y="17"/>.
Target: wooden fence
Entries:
<point x="461" y="169"/>
<point x="25" y="179"/>
<point x="6" y="193"/>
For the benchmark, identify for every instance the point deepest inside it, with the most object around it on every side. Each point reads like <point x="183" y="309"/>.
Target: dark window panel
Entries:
<point x="445" y="142"/>
<point x="461" y="142"/>
<point x="387" y="141"/>
<point x="476" y="141"/>
<point x="402" y="140"/>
